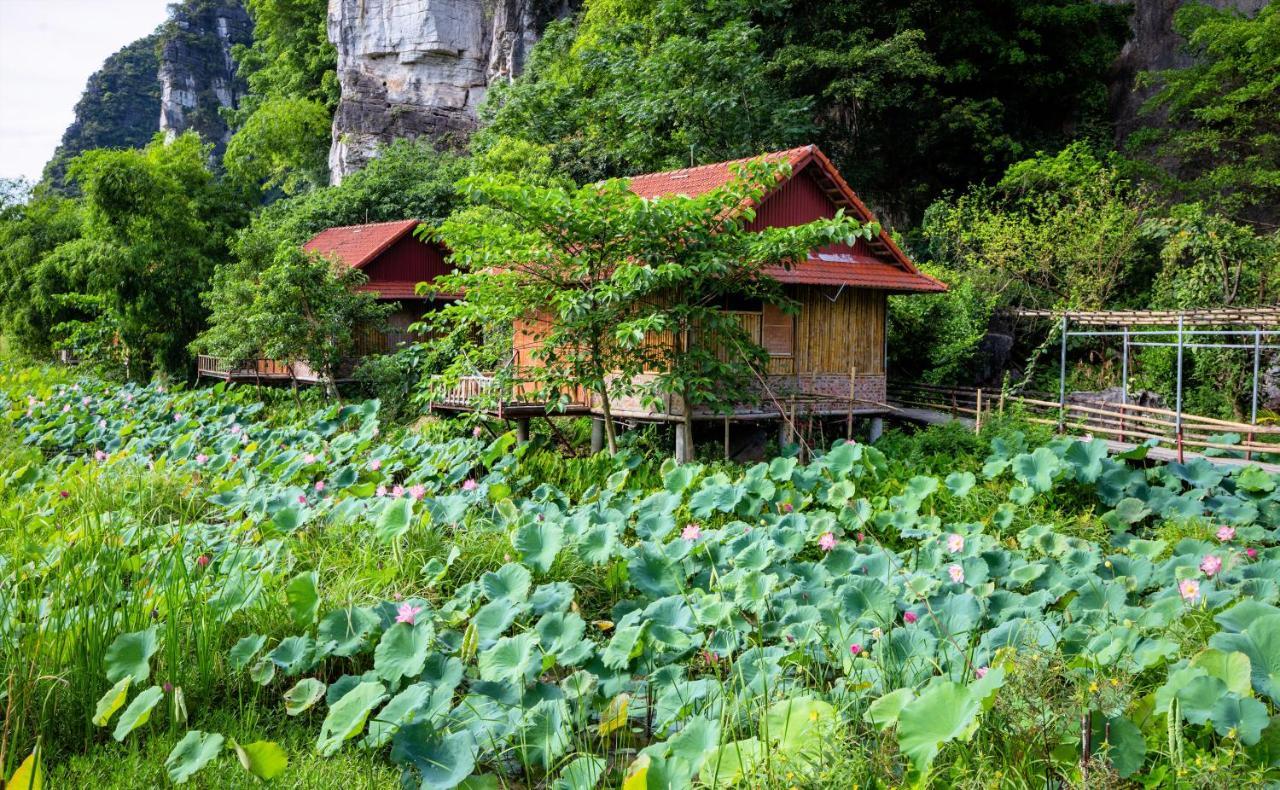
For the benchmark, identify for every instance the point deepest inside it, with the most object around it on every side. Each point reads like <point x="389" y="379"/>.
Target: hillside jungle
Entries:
<point x="225" y="586"/>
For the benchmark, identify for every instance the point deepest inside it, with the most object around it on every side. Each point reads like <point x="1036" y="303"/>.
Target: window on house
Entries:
<point x="777" y="332"/>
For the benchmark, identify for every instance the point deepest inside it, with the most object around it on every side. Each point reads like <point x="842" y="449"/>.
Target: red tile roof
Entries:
<point x="357" y="245"/>
<point x="894" y="271"/>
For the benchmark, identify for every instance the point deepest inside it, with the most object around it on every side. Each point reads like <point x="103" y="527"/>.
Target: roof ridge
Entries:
<point x="370" y="224"/>
<point x="783" y="153"/>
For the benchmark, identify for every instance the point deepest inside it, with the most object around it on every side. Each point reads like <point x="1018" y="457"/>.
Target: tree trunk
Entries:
<point x="610" y="434"/>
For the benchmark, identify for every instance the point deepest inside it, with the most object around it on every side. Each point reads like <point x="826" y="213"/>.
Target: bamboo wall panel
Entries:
<point x="778" y="331"/>
<point x="835" y="336"/>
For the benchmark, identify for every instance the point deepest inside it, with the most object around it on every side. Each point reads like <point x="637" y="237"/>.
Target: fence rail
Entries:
<point x="1124" y="422"/>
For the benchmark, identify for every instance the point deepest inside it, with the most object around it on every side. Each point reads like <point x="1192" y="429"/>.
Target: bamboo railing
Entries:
<point x="1123" y="422"/>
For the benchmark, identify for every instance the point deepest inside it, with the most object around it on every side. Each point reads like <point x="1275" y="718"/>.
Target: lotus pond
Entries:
<point x="197" y="589"/>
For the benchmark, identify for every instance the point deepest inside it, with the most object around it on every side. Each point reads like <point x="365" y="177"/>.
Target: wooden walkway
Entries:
<point x="934" y="417"/>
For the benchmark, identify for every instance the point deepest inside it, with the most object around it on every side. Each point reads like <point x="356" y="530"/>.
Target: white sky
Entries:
<point x="48" y="49"/>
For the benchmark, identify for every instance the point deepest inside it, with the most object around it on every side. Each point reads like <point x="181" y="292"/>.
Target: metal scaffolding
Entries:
<point x="1253" y="329"/>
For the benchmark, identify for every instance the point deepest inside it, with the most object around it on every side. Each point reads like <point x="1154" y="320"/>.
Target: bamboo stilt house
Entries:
<point x="831" y="353"/>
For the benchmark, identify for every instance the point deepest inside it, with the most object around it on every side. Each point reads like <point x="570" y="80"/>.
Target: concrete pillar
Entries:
<point x="876" y="428"/>
<point x="684" y="443"/>
<point x="784" y="434"/>
<point x="597" y="435"/>
<point x="522" y="430"/>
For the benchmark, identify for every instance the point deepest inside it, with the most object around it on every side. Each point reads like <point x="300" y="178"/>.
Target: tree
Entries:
<point x="618" y="286"/>
<point x="33" y="281"/>
<point x="1208" y="260"/>
<point x="157" y="223"/>
<point x="1221" y="138"/>
<point x="301" y="308"/>
<point x="281" y="145"/>
<point x="1057" y="231"/>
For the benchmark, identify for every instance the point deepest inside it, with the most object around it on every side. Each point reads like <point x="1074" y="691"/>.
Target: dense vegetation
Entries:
<point x="196" y="576"/>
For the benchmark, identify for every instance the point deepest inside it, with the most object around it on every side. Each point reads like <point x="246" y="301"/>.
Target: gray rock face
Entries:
<point x="197" y="73"/>
<point x="419" y="68"/>
<point x="1153" y="46"/>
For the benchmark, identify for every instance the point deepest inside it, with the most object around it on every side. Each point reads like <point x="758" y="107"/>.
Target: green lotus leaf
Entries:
<point x="348" y="715"/>
<point x="303" y="695"/>
<point x="583" y="773"/>
<point x="138" y="712"/>
<point x="289" y="519"/>
<point x="1022" y="495"/>
<point x="293" y="654"/>
<point x="960" y="483"/>
<point x="799" y="725"/>
<point x="715" y="494"/>
<point x="1239" y="717"/>
<point x="1255" y="481"/>
<point x="394" y="519"/>
<point x="1197" y="698"/>
<point x="1125" y="746"/>
<point x="511" y="659"/>
<point x="129" y="655"/>
<point x="1260" y="641"/>
<point x="652" y="572"/>
<point x="304" y="600"/>
<point x="884" y="712"/>
<point x="781" y="468"/>
<point x="539" y="542"/>
<point x="551" y="597"/>
<point x="511" y="582"/>
<point x="1037" y="469"/>
<point x="192" y="753"/>
<point x="403" y="708"/>
<point x="494" y="618"/>
<point x="264" y="759"/>
<point x="243" y="651"/>
<point x="442" y="762"/>
<point x="678" y="479"/>
<point x="402" y="651"/>
<point x="942" y="713"/>
<point x="543" y="734"/>
<point x="345" y="632"/>
<point x="1085" y="459"/>
<point x="732" y="762"/>
<point x="655" y="515"/>
<point x="1238" y="617"/>
<point x="111" y="701"/>
<point x="1233" y="669"/>
<point x="263" y="671"/>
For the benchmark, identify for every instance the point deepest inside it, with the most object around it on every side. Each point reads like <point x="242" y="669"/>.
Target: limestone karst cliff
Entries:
<point x="197" y="73"/>
<point x="415" y="68"/>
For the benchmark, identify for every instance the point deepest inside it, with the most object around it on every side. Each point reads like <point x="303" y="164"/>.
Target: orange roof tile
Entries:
<point x="894" y="271"/>
<point x="357" y="245"/>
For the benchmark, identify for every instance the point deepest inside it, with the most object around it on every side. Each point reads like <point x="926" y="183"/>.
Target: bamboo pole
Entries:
<point x="853" y="393"/>
<point x="977" y="422"/>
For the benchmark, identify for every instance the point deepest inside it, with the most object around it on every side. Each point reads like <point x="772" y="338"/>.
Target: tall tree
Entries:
<point x="1220" y="143"/>
<point x="616" y="286"/>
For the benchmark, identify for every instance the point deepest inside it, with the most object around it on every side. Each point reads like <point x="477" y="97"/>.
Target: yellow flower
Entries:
<point x="1093" y="687"/>
<point x="1115" y="682"/>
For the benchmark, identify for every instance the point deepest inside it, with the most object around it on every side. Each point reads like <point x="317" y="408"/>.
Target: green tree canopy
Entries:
<point x="1221" y="138"/>
<point x="301" y="308"/>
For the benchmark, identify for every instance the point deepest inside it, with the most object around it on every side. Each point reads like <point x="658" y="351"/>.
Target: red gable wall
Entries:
<point x="408" y="261"/>
<point x="800" y="200"/>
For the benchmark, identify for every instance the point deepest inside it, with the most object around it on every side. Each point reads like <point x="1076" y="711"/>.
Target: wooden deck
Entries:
<point x="265" y="371"/>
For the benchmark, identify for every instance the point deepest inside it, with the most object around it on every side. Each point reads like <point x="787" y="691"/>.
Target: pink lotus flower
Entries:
<point x="955" y="543"/>
<point x="1189" y="589"/>
<point x="855" y="649"/>
<point x="861" y="537"/>
<point x="168" y="687"/>
<point x="981" y="672"/>
<point x="397" y="492"/>
<point x="786" y="507"/>
<point x="382" y="491"/>
<point x="407" y="612"/>
<point x="418" y="492"/>
<point x="375" y="465"/>
<point x="201" y="458"/>
<point x="177" y="417"/>
<point x="302" y="499"/>
<point x="477" y="431"/>
<point x="468" y="485"/>
<point x="877" y="633"/>
<point x="827" y="542"/>
<point x="85" y="400"/>
<point x="1211" y="564"/>
<point x="309" y="458"/>
<point x="909" y="617"/>
<point x="235" y="429"/>
<point x="203" y="560"/>
<point x="956" y="573"/>
<point x="691" y="532"/>
<point x="1226" y="533"/>
<point x="66" y="408"/>
<point x="102" y="423"/>
<point x="99" y="455"/>
<point x="1251" y="552"/>
<point x="319" y="485"/>
<point x="64" y="493"/>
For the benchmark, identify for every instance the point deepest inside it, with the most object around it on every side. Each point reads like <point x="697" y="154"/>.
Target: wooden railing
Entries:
<point x="490" y="390"/>
<point x="1124" y="422"/>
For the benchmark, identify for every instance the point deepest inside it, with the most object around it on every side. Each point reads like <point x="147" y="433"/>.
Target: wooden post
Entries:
<point x="1062" y="378"/>
<point x="853" y="393"/>
<point x="977" y="423"/>
<point x="1253" y="408"/>
<point x="522" y="430"/>
<point x="726" y="438"/>
<point x="1177" y="417"/>
<point x="793" y="431"/>
<point x="597" y="435"/>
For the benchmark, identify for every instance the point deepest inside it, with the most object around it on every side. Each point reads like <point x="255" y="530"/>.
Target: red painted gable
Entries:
<point x="393" y="259"/>
<point x="814" y="190"/>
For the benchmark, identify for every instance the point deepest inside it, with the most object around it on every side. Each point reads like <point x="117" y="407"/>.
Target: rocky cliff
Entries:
<point x="1153" y="46"/>
<point x="118" y="108"/>
<point x="414" y="68"/>
<point x="197" y="73"/>
<point x="177" y="78"/>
